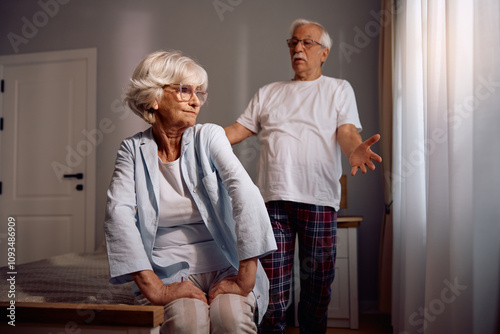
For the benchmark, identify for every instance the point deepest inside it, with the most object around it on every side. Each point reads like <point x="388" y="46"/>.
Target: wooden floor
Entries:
<point x="368" y="324"/>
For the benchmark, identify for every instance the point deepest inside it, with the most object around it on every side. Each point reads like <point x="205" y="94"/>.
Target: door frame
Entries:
<point x="89" y="55"/>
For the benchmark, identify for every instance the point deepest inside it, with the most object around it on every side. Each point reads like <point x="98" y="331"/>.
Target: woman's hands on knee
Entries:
<point x="228" y="285"/>
<point x="158" y="293"/>
<point x="182" y="290"/>
<point x="242" y="284"/>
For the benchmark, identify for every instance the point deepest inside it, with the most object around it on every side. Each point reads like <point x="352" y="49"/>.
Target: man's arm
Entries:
<point x="359" y="153"/>
<point x="237" y="133"/>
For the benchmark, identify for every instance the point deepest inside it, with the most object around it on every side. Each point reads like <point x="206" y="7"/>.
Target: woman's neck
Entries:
<point x="169" y="143"/>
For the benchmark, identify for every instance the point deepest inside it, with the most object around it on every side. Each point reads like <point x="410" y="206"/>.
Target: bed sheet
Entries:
<point x="70" y="278"/>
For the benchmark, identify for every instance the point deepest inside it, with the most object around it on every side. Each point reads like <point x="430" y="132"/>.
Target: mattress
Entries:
<point x="71" y="278"/>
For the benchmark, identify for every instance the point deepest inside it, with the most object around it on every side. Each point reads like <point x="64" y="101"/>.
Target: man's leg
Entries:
<point x="317" y="230"/>
<point x="278" y="266"/>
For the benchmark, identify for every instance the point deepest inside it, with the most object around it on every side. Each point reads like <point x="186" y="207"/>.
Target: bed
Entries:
<point x="70" y="294"/>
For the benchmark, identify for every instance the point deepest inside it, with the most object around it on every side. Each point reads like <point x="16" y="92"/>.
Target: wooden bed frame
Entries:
<point x="70" y="293"/>
<point x="58" y="318"/>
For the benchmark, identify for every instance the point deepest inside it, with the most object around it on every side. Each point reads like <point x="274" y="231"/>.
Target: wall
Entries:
<point x="241" y="44"/>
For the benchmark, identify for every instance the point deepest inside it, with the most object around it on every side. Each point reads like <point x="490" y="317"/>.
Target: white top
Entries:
<point x="182" y="235"/>
<point x="300" y="159"/>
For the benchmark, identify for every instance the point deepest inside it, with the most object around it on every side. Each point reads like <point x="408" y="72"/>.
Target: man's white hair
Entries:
<point x="325" y="39"/>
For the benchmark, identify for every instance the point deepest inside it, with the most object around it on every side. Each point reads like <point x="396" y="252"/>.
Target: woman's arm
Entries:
<point x="157" y="293"/>
<point x="126" y="251"/>
<point x="242" y="284"/>
<point x="253" y="229"/>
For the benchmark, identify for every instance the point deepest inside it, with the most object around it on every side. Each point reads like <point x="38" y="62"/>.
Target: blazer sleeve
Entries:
<point x="126" y="251"/>
<point x="254" y="235"/>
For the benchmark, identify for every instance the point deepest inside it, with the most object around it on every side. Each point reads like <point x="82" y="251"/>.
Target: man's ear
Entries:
<point x="324" y="54"/>
<point x="155" y="105"/>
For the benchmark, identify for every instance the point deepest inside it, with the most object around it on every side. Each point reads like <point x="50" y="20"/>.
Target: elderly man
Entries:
<point x="301" y="124"/>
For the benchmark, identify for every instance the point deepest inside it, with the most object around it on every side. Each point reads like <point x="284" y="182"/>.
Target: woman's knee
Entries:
<point x="230" y="313"/>
<point x="186" y="315"/>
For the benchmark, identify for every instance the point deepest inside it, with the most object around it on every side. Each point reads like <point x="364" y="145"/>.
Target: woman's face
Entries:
<point x="175" y="113"/>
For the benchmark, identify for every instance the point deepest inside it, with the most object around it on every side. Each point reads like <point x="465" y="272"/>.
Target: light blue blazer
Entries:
<point x="229" y="202"/>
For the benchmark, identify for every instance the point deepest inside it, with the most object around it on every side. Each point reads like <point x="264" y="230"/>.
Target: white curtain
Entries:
<point x="446" y="156"/>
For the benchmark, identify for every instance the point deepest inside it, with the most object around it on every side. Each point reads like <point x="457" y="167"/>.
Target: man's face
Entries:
<point x="306" y="62"/>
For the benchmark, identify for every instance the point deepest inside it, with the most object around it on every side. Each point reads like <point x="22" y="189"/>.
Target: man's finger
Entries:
<point x="363" y="169"/>
<point x="371" y="165"/>
<point x="372" y="140"/>
<point x="376" y="157"/>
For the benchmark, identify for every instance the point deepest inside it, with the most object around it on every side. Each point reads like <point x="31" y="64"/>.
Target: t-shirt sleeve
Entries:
<point x="347" y="109"/>
<point x="250" y="117"/>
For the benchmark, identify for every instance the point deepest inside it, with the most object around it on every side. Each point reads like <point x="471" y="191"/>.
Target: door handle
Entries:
<point x="78" y="176"/>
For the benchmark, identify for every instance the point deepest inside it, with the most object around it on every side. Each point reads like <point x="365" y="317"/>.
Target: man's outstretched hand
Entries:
<point x="363" y="156"/>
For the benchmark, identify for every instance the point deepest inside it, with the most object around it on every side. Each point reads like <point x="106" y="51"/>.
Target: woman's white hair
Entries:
<point x="325" y="39"/>
<point x="154" y="72"/>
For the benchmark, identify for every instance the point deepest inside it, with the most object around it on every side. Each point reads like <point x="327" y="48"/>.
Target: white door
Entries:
<point x="47" y="154"/>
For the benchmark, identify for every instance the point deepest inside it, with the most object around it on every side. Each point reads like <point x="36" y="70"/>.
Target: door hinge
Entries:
<point x="1" y="124"/>
<point x="2" y="86"/>
<point x="0" y="188"/>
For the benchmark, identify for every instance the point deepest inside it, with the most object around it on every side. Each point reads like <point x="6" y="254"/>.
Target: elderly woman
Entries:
<point x="184" y="221"/>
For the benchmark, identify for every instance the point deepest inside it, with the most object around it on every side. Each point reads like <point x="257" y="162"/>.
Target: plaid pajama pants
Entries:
<point x="316" y="227"/>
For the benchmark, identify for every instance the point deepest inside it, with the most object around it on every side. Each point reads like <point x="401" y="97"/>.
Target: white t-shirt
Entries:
<point x="182" y="235"/>
<point x="300" y="159"/>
